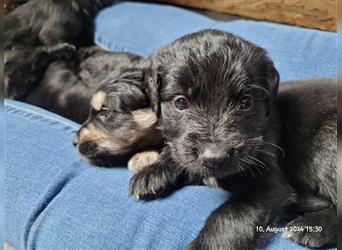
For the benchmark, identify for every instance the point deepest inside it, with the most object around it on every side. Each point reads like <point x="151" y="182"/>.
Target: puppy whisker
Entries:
<point x="249" y="168"/>
<point x="263" y="165"/>
<point x="266" y="152"/>
<point x="276" y="146"/>
<point x="241" y="170"/>
<point x="255" y="139"/>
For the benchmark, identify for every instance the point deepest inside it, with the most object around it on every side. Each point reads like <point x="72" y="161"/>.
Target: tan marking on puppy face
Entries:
<point x="144" y="118"/>
<point x="141" y="160"/>
<point x="98" y="100"/>
<point x="115" y="145"/>
<point x="101" y="138"/>
<point x="91" y="132"/>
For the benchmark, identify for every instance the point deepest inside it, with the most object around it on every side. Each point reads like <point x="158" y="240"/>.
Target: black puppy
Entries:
<point x="309" y="116"/>
<point x="215" y="95"/>
<point x="48" y="22"/>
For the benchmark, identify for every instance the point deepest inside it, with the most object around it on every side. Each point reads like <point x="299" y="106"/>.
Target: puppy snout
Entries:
<point x="76" y="140"/>
<point x="214" y="157"/>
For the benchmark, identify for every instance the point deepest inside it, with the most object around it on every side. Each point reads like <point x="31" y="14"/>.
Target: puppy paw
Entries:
<point x="194" y="245"/>
<point x="149" y="183"/>
<point x="298" y="232"/>
<point x="141" y="160"/>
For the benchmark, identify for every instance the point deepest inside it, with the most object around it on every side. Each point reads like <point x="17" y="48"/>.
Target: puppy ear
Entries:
<point x="153" y="87"/>
<point x="273" y="84"/>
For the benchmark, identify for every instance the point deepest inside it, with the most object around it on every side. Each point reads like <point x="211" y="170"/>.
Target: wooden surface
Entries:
<point x="319" y="14"/>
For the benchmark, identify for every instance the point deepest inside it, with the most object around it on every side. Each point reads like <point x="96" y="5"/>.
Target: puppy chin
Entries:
<point x="99" y="155"/>
<point x="221" y="173"/>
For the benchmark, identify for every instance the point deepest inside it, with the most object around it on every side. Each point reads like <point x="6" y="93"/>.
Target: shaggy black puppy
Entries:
<point x="215" y="96"/>
<point x="48" y="22"/>
<point x="215" y="93"/>
<point x="309" y="116"/>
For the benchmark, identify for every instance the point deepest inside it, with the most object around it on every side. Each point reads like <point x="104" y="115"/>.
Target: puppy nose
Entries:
<point x="76" y="140"/>
<point x="214" y="156"/>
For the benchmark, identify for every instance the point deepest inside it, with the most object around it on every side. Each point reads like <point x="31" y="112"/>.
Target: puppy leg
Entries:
<point x="241" y="222"/>
<point x="159" y="179"/>
<point x="319" y="228"/>
<point x="156" y="180"/>
<point x="141" y="160"/>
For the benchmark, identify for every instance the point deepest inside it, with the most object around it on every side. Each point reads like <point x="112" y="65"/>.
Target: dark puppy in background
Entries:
<point x="48" y="22"/>
<point x="215" y="95"/>
<point x="309" y="117"/>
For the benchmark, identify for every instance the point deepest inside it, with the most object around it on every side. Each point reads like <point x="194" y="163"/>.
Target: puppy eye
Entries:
<point x="181" y="103"/>
<point x="144" y="103"/>
<point x="246" y="102"/>
<point x="103" y="114"/>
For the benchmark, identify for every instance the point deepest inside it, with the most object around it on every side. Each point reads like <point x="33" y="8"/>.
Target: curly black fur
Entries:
<point x="215" y="95"/>
<point x="309" y="115"/>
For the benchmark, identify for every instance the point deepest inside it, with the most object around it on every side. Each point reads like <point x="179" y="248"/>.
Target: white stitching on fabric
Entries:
<point x="41" y="116"/>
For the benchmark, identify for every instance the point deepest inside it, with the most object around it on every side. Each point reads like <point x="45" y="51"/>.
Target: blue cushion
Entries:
<point x="55" y="200"/>
<point x="297" y="52"/>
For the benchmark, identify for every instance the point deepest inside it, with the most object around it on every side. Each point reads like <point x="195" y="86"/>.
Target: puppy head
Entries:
<point x="120" y="122"/>
<point x="214" y="93"/>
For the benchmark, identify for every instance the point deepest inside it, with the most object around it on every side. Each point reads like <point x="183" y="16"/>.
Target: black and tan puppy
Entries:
<point x="215" y="95"/>
<point x="120" y="124"/>
<point x="48" y="22"/>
